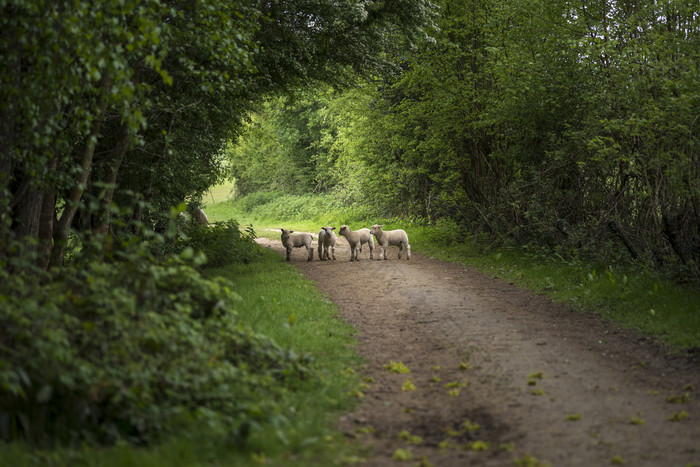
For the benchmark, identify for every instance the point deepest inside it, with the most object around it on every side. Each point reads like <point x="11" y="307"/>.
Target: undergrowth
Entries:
<point x="172" y="364"/>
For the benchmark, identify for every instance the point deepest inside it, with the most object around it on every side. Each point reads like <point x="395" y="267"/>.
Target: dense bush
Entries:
<point x="122" y="351"/>
<point x="221" y="243"/>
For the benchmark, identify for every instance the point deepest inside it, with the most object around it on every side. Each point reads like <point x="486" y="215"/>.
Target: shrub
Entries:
<point x="124" y="350"/>
<point x="222" y="243"/>
<point x="446" y="232"/>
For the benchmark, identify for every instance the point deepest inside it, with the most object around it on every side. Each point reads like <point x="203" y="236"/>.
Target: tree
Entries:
<point x="569" y="124"/>
<point x="132" y="102"/>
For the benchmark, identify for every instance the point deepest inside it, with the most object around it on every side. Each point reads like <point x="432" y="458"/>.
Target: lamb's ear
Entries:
<point x="382" y="226"/>
<point x="291" y="231"/>
<point x="332" y="228"/>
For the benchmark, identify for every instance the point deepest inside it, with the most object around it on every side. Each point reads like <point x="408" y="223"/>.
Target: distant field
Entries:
<point x="219" y="193"/>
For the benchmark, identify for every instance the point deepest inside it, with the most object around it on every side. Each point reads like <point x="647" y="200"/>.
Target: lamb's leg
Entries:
<point x="320" y="252"/>
<point x="400" y="249"/>
<point x="353" y="252"/>
<point x="289" y="253"/>
<point x="408" y="251"/>
<point x="311" y="253"/>
<point x="371" y="249"/>
<point x="333" y="251"/>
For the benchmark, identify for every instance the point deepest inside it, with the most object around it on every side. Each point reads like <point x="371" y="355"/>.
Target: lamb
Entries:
<point x="326" y="241"/>
<point x="391" y="237"/>
<point x="297" y="241"/>
<point x="200" y="216"/>
<point x="356" y="239"/>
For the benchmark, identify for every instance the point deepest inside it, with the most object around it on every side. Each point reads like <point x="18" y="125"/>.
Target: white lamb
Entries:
<point x="391" y="237"/>
<point x="326" y="241"/>
<point x="297" y="241"/>
<point x="356" y="239"/>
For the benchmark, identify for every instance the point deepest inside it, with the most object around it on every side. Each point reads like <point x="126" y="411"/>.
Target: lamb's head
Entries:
<point x="344" y="230"/>
<point x="329" y="230"/>
<point x="285" y="233"/>
<point x="376" y="229"/>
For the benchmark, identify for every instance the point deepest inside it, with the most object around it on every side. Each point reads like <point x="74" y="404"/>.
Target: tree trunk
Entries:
<point x="47" y="218"/>
<point x="5" y="232"/>
<point x="115" y="162"/>
<point x="63" y="226"/>
<point x="28" y="215"/>
<point x="615" y="229"/>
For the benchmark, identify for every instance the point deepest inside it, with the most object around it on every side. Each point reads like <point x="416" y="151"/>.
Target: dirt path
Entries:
<point x="541" y="381"/>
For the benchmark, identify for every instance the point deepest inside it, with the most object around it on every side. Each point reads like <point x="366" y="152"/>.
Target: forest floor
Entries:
<point x="545" y="384"/>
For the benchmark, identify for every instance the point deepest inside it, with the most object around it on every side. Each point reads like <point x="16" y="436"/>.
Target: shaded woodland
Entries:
<point x="570" y="125"/>
<point x="114" y="118"/>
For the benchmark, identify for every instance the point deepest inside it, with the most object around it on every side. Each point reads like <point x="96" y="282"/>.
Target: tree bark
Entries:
<point x="46" y="220"/>
<point x="612" y="225"/>
<point x="115" y="162"/>
<point x="28" y="215"/>
<point x="5" y="232"/>
<point x="63" y="226"/>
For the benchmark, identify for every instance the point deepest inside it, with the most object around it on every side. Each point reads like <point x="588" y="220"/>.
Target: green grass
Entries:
<point x="219" y="193"/>
<point x="307" y="213"/>
<point x="278" y="301"/>
<point x="632" y="297"/>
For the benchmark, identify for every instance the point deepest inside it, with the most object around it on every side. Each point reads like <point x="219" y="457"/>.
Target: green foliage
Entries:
<point x="124" y="351"/>
<point x="142" y="96"/>
<point x="222" y="243"/>
<point x="396" y="367"/>
<point x="250" y="202"/>
<point x="289" y="418"/>
<point x="549" y="123"/>
<point x="298" y="208"/>
<point x="277" y="207"/>
<point x="113" y="112"/>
